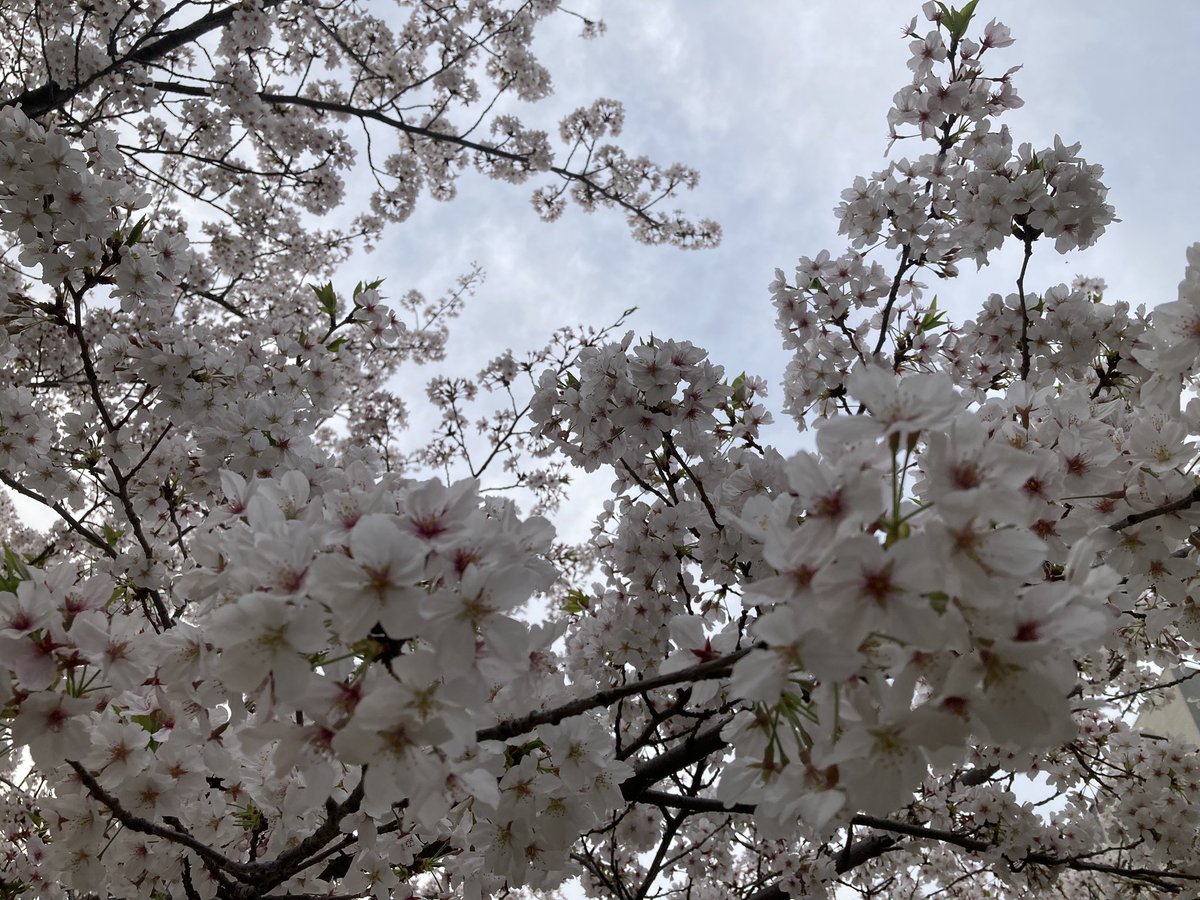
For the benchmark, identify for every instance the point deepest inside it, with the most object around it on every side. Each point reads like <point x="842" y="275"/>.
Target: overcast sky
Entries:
<point x="779" y="105"/>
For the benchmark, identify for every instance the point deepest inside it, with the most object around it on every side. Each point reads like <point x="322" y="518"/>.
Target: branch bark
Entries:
<point x="145" y="826"/>
<point x="705" y="671"/>
<point x="1165" y="510"/>
<point x="683" y="754"/>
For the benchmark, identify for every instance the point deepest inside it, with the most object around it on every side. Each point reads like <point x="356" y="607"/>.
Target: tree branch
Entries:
<point x="75" y="525"/>
<point x="271" y="874"/>
<point x="1164" y="510"/>
<point x="694" y="804"/>
<point x="1160" y="878"/>
<point x="145" y="826"/>
<point x="891" y="300"/>
<point x="38" y="101"/>
<point x="705" y="671"/>
<point x="1025" y="357"/>
<point x="681" y="755"/>
<point x="376" y="115"/>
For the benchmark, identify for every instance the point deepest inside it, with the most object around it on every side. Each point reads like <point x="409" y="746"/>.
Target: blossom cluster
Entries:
<point x="991" y="508"/>
<point x="255" y="626"/>
<point x="366" y="635"/>
<point x="963" y="199"/>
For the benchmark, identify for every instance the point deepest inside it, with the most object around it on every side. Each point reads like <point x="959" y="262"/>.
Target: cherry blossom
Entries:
<point x="268" y="650"/>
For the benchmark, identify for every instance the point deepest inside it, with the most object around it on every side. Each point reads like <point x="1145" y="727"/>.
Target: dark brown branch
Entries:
<point x="708" y="504"/>
<point x="1025" y="357"/>
<point x="145" y="826"/>
<point x="923" y="833"/>
<point x="1164" y="510"/>
<point x="693" y="804"/>
<point x="271" y="874"/>
<point x="642" y="483"/>
<point x="681" y="755"/>
<point x="38" y="101"/>
<point x="75" y="525"/>
<point x="705" y="671"/>
<point x="1146" y="690"/>
<point x="891" y="300"/>
<point x="1160" y="878"/>
<point x="854" y="855"/>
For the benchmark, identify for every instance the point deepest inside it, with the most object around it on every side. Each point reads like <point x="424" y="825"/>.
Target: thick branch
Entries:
<point x="1160" y="878"/>
<point x="274" y="873"/>
<point x="694" y="804"/>
<point x="683" y="754"/>
<point x="1025" y="357"/>
<point x="38" y="101"/>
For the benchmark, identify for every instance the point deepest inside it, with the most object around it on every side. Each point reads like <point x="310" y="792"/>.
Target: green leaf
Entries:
<point x="514" y="753"/>
<point x="369" y="286"/>
<point x="934" y="318"/>
<point x="135" y="233"/>
<point x="14" y="563"/>
<point x="738" y="388"/>
<point x="956" y="21"/>
<point x="336" y="344"/>
<point x="966" y="14"/>
<point x="151" y="722"/>
<point x="327" y="298"/>
<point x="15" y="570"/>
<point x="577" y="601"/>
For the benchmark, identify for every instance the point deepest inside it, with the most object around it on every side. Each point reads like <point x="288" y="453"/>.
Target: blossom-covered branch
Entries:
<point x="261" y="653"/>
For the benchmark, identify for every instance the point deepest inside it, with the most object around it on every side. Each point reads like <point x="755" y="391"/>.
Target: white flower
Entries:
<point x="900" y="409"/>
<point x="377" y="582"/>
<point x="266" y="634"/>
<point x="53" y="727"/>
